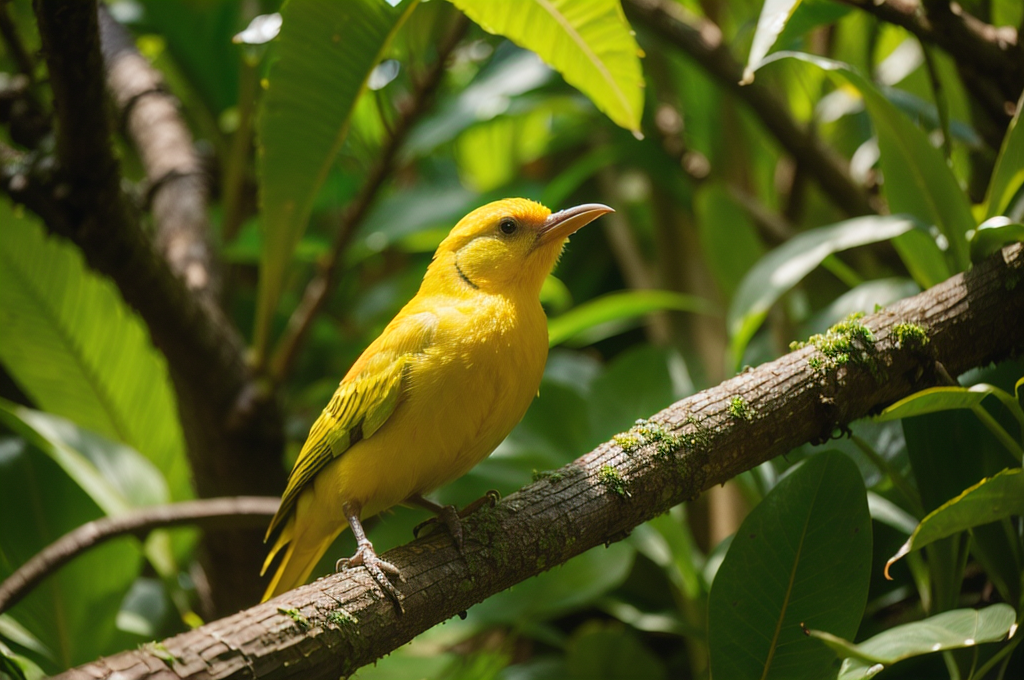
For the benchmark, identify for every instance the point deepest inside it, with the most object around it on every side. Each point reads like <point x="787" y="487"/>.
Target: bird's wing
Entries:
<point x="364" y="400"/>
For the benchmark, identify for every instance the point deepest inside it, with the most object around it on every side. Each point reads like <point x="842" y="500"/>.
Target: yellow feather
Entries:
<point x="446" y="381"/>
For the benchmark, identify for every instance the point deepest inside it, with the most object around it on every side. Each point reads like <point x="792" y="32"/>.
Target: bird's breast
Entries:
<point x="470" y="388"/>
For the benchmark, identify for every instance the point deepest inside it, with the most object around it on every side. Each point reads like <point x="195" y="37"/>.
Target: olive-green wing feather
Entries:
<point x="360" y="406"/>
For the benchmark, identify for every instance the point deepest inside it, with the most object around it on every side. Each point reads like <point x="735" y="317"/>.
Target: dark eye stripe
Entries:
<point x="508" y="226"/>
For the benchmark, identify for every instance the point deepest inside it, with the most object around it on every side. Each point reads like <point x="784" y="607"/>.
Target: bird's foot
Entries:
<point x="451" y="517"/>
<point x="379" y="569"/>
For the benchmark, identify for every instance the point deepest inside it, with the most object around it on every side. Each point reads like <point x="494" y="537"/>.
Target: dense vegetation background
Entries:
<point x="209" y="294"/>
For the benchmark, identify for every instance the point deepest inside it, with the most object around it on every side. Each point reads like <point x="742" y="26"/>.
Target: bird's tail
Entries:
<point x="304" y="551"/>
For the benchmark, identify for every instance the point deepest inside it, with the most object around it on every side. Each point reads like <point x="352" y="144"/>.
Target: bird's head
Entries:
<point x="508" y="246"/>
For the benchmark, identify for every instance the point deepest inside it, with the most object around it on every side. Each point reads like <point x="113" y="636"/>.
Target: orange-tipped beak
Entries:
<point x="561" y="224"/>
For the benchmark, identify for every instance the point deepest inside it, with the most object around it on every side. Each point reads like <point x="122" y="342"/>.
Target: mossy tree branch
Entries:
<point x="342" y="622"/>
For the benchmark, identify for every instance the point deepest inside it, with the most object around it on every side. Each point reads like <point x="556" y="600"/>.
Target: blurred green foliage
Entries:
<point x="712" y="217"/>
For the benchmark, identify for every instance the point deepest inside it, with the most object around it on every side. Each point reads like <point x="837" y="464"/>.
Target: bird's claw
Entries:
<point x="451" y="517"/>
<point x="379" y="570"/>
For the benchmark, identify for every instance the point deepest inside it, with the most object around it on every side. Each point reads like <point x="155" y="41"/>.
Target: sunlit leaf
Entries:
<point x="936" y="399"/>
<point x="784" y="267"/>
<point x="621" y="305"/>
<point x="917" y="179"/>
<point x="114" y="476"/>
<point x="987" y="501"/>
<point x="325" y="54"/>
<point x="948" y="630"/>
<point x="1008" y="175"/>
<point x="992" y="234"/>
<point x="588" y="41"/>
<point x="802" y="557"/>
<point x="774" y="16"/>
<point x="75" y="348"/>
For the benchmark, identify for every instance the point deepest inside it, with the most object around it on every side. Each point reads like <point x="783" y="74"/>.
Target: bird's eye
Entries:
<point x="508" y="226"/>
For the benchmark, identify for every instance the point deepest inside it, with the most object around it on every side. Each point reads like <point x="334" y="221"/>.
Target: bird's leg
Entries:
<point x="450" y="516"/>
<point x="366" y="557"/>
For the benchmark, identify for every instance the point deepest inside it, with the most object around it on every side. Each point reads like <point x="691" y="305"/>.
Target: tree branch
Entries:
<point x="342" y="622"/>
<point x="177" y="184"/>
<point x="702" y="40"/>
<point x="317" y="290"/>
<point x="231" y="422"/>
<point x="211" y="513"/>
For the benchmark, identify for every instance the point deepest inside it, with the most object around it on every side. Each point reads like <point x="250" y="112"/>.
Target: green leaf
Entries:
<point x="75" y="348"/>
<point x="325" y="53"/>
<point x="803" y="555"/>
<point x="1008" y="175"/>
<point x="948" y="630"/>
<point x="14" y="632"/>
<point x="775" y="15"/>
<point x="73" y="610"/>
<point x="17" y="666"/>
<point x="992" y="234"/>
<point x="588" y="41"/>
<point x="917" y="179"/>
<point x="781" y="269"/>
<point x="114" y="476"/>
<point x="989" y="500"/>
<point x="936" y="399"/>
<point x="621" y="305"/>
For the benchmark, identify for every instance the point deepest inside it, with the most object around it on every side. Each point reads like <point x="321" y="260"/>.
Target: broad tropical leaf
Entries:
<point x="802" y="557"/>
<point x="588" y="41"/>
<point x="76" y="349"/>
<point x="325" y="54"/>
<point x="72" y="611"/>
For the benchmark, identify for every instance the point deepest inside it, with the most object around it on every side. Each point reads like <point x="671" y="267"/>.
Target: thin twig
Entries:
<point x="211" y="513"/>
<point x="319" y="288"/>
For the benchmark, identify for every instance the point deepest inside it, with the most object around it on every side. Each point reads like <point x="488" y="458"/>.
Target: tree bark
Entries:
<point x="332" y="627"/>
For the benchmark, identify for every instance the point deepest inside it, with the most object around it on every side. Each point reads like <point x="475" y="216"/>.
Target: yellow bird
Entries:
<point x="442" y="386"/>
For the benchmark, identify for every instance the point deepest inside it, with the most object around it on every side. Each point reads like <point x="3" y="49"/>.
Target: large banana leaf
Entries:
<point x="75" y="348"/>
<point x="588" y="41"/>
<point x="325" y="53"/>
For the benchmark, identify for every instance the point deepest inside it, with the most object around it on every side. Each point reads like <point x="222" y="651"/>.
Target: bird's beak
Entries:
<point x="561" y="224"/>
